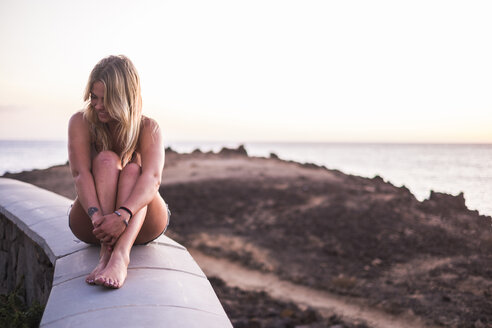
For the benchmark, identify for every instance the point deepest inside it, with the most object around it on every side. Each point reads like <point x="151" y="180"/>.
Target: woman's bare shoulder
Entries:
<point x="78" y="128"/>
<point x="78" y="120"/>
<point x="150" y="133"/>
<point x="149" y="123"/>
<point x="150" y="126"/>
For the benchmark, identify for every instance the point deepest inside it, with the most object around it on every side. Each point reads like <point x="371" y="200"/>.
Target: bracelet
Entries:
<point x="119" y="214"/>
<point x="126" y="209"/>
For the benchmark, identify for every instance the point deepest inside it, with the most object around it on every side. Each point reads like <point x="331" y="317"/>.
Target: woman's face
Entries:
<point x="97" y="101"/>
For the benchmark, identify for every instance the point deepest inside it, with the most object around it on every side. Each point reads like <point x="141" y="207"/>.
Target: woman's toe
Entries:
<point x="100" y="280"/>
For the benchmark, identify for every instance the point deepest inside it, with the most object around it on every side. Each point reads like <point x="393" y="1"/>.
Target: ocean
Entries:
<point x="449" y="168"/>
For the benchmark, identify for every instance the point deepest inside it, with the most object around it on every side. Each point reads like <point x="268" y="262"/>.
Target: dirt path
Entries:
<point x="327" y="304"/>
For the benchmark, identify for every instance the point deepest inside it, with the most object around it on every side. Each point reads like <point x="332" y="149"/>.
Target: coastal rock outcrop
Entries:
<point x="444" y="203"/>
<point x="352" y="236"/>
<point x="240" y="150"/>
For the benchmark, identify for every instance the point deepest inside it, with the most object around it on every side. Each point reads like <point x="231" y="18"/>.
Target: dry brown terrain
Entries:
<point x="298" y="244"/>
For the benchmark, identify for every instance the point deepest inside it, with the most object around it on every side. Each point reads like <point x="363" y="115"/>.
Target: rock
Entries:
<point x="378" y="179"/>
<point x="287" y="313"/>
<point x="240" y="323"/>
<point x="311" y="165"/>
<point x="254" y="323"/>
<point x="376" y="262"/>
<point x="231" y="152"/>
<point x="446" y="298"/>
<point x="448" y="201"/>
<point x="406" y="191"/>
<point x="277" y="323"/>
<point x="314" y="325"/>
<point x="479" y="324"/>
<point x="310" y="315"/>
<point x="168" y="150"/>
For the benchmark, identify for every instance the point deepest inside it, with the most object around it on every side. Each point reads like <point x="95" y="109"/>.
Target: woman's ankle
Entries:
<point x="118" y="253"/>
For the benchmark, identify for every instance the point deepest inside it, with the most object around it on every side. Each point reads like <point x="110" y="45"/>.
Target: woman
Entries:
<point x="116" y="157"/>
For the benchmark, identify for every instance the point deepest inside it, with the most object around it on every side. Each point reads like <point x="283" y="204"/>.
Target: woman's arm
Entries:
<point x="152" y="156"/>
<point x="151" y="150"/>
<point x="79" y="155"/>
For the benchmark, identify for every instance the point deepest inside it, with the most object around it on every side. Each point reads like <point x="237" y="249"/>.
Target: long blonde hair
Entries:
<point x="122" y="101"/>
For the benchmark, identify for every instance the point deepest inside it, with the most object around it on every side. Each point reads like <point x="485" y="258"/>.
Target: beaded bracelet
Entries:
<point x="119" y="214"/>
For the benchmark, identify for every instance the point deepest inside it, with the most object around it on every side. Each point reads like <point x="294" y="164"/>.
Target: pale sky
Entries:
<point x="354" y="71"/>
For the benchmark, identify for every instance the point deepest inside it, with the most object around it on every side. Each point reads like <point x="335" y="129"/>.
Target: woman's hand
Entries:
<point x="97" y="219"/>
<point x="109" y="228"/>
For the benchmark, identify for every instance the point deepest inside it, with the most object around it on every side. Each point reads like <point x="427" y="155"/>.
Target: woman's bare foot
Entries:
<point x="103" y="261"/>
<point x="114" y="274"/>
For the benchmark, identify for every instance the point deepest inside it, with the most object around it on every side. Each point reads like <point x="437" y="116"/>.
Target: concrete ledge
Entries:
<point x="165" y="286"/>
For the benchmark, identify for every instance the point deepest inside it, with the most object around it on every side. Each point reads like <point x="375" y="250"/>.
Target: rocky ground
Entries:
<point x="362" y="239"/>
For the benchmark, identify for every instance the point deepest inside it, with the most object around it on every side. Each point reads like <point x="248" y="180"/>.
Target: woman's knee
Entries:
<point x="106" y="159"/>
<point x="131" y="171"/>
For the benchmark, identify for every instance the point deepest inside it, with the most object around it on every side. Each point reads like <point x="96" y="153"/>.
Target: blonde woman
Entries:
<point x="116" y="157"/>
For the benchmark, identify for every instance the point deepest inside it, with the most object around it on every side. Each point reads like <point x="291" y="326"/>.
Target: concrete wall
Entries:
<point x="165" y="287"/>
<point x="24" y="263"/>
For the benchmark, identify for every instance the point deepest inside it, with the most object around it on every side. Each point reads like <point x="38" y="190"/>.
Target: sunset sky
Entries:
<point x="354" y="71"/>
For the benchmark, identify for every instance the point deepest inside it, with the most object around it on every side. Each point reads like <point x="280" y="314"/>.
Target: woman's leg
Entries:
<point x="81" y="224"/>
<point x="155" y="222"/>
<point x="145" y="225"/>
<point x="105" y="171"/>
